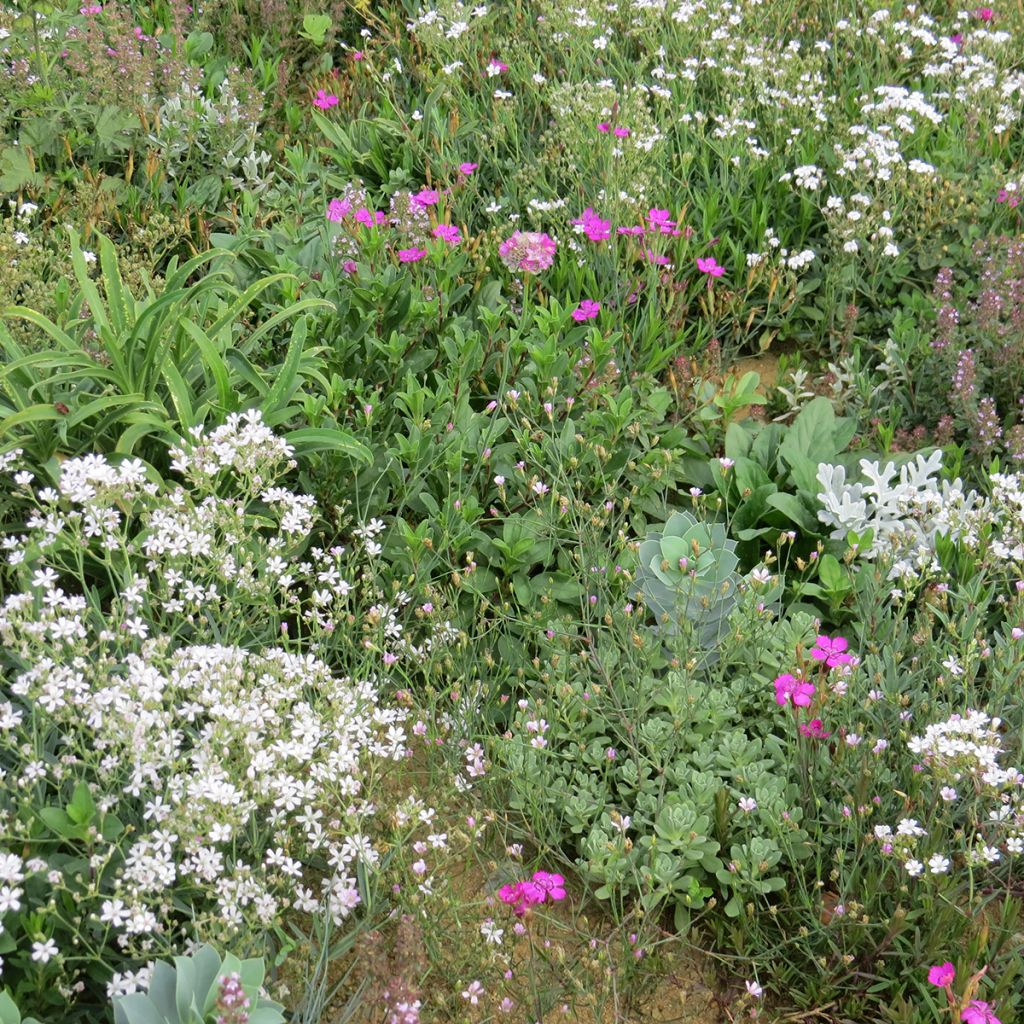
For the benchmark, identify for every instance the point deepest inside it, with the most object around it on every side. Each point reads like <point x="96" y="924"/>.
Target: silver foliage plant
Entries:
<point x="907" y="509"/>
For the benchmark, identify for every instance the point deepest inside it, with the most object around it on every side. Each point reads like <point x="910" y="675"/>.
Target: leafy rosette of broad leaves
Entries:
<point x="688" y="572"/>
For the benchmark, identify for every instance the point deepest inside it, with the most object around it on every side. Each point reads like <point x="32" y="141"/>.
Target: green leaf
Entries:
<point x="16" y="170"/>
<point x="327" y="439"/>
<point x="81" y="808"/>
<point x="315" y="28"/>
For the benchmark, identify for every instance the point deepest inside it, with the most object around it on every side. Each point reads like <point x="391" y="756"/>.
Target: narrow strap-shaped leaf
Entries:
<point x="285" y="381"/>
<point x="45" y="324"/>
<point x="327" y="439"/>
<point x="285" y="314"/>
<point x="120" y="305"/>
<point x="244" y="300"/>
<point x="179" y="395"/>
<point x="212" y="361"/>
<point x="86" y="284"/>
<point x="30" y="414"/>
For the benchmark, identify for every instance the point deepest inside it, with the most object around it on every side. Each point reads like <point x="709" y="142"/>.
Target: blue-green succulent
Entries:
<point x="687" y="572"/>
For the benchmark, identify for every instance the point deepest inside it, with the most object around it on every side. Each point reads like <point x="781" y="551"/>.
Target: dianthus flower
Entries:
<point x="789" y="689"/>
<point x="426" y="197"/>
<point x="708" y="265"/>
<point x="448" y="233"/>
<point x="325" y="100"/>
<point x="467" y="168"/>
<point x="338" y="208"/>
<point x="586" y="310"/>
<point x="977" y="1011"/>
<point x="411" y="255"/>
<point x="814" y="730"/>
<point x="831" y="651"/>
<point x="530" y="251"/>
<point x="941" y="974"/>
<point x="370" y="217"/>
<point x="594" y="227"/>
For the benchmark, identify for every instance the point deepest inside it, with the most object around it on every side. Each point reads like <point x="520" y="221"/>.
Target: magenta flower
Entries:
<point x="90" y="9"/>
<point x="621" y="133"/>
<point x="358" y="55"/>
<point x="789" y="689"/>
<point x="521" y="896"/>
<point x="426" y="197"/>
<point x="814" y="730"/>
<point x="708" y="265"/>
<point x="369" y="217"/>
<point x="586" y="310"/>
<point x="660" y="219"/>
<point x="594" y="227"/>
<point x="553" y="885"/>
<point x="984" y="13"/>
<point x="941" y="974"/>
<point x="604" y="126"/>
<point x="978" y="1012"/>
<point x="654" y="257"/>
<point x="467" y="168"/>
<point x="633" y="229"/>
<point x="448" y="233"/>
<point x="325" y="100"/>
<point x="832" y="652"/>
<point x="529" y="251"/>
<point x="338" y="208"/>
<point x="496" y="67"/>
<point x="350" y="266"/>
<point x="411" y="255"/>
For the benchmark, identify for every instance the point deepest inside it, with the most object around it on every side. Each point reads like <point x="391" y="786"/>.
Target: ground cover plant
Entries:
<point x="511" y="512"/>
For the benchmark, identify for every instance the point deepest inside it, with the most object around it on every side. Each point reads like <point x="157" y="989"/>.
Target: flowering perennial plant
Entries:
<point x="176" y="767"/>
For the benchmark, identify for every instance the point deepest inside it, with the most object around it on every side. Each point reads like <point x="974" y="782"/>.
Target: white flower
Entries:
<point x="937" y="864"/>
<point x="914" y="867"/>
<point x="44" y="952"/>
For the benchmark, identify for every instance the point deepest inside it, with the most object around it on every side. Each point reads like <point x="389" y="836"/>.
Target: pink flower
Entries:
<point x="814" y="730"/>
<point x="473" y="992"/>
<point x="325" y="100"/>
<point x="604" y="126"/>
<point x="633" y="229"/>
<point x="660" y="219"/>
<point x="90" y="9"/>
<point x="621" y="133"/>
<point x="496" y="67"/>
<point x="426" y="197"/>
<point x="467" y="168"/>
<point x="790" y="689"/>
<point x="984" y="13"/>
<point x="831" y="651"/>
<point x="521" y="896"/>
<point x="553" y="885"/>
<point x="337" y="209"/>
<point x="529" y="251"/>
<point x="594" y="227"/>
<point x="653" y="257"/>
<point x="369" y="217"/>
<point x="708" y="265"/>
<point x="448" y="233"/>
<point x="978" y="1012"/>
<point x="357" y="55"/>
<point x="349" y="266"/>
<point x="941" y="974"/>
<point x="586" y="310"/>
<point x="411" y="255"/>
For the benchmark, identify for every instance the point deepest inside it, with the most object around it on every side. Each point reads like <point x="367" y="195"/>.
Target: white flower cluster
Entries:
<point x="221" y="767"/>
<point x="966" y="746"/>
<point x="963" y="749"/>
